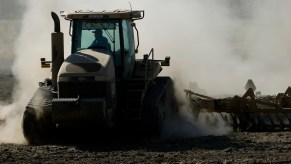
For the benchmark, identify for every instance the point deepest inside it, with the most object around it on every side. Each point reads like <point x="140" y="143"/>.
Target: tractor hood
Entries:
<point x="88" y="63"/>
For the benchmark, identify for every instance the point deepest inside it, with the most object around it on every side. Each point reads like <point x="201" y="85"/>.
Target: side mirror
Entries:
<point x="137" y="35"/>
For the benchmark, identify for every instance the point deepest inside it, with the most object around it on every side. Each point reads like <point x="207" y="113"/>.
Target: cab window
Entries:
<point x="84" y="35"/>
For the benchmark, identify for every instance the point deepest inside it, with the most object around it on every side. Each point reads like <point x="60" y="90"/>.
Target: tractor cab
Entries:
<point x="110" y="31"/>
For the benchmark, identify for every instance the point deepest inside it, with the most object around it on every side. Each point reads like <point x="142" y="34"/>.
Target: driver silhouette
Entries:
<point x="100" y="41"/>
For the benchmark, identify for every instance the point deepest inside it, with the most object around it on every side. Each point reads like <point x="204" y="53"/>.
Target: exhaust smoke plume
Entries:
<point x="217" y="44"/>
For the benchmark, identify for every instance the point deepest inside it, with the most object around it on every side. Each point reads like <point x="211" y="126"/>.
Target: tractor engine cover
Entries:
<point x="86" y="89"/>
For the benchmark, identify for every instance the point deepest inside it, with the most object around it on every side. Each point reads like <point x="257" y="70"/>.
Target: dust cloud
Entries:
<point x="10" y="18"/>
<point x="217" y="44"/>
<point x="222" y="44"/>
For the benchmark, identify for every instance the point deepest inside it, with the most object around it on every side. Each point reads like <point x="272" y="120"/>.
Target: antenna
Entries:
<point x="130" y="6"/>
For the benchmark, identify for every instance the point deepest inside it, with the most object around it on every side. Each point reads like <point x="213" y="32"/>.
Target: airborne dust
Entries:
<point x="217" y="44"/>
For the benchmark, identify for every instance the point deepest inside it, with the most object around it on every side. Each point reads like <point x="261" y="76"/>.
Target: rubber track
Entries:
<point x="153" y="114"/>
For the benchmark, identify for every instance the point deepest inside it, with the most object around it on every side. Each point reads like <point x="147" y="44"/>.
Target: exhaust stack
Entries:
<point x="57" y="42"/>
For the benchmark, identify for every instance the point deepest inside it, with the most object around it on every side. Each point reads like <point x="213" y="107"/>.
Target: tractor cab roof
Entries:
<point x="104" y="14"/>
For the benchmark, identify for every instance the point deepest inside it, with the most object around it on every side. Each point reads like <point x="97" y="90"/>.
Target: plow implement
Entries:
<point x="250" y="112"/>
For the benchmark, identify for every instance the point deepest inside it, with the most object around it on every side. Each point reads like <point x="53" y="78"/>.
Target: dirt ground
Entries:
<point x="265" y="147"/>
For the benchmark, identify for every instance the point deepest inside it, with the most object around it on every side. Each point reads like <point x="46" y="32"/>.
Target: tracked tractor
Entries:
<point x="101" y="84"/>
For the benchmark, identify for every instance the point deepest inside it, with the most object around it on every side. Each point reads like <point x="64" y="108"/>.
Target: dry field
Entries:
<point x="233" y="148"/>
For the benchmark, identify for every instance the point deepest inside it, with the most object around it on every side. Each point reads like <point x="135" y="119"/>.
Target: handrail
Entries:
<point x="146" y="68"/>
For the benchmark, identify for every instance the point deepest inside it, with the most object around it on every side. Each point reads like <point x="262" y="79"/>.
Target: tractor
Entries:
<point x="101" y="84"/>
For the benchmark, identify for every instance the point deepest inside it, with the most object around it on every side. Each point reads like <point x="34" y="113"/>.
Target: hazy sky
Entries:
<point x="218" y="44"/>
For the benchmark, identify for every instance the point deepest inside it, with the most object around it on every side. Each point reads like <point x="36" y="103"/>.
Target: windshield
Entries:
<point x="92" y="34"/>
<point x="106" y="34"/>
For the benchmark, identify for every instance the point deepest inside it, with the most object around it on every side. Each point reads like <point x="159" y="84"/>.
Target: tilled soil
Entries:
<point x="236" y="148"/>
<point x="266" y="147"/>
